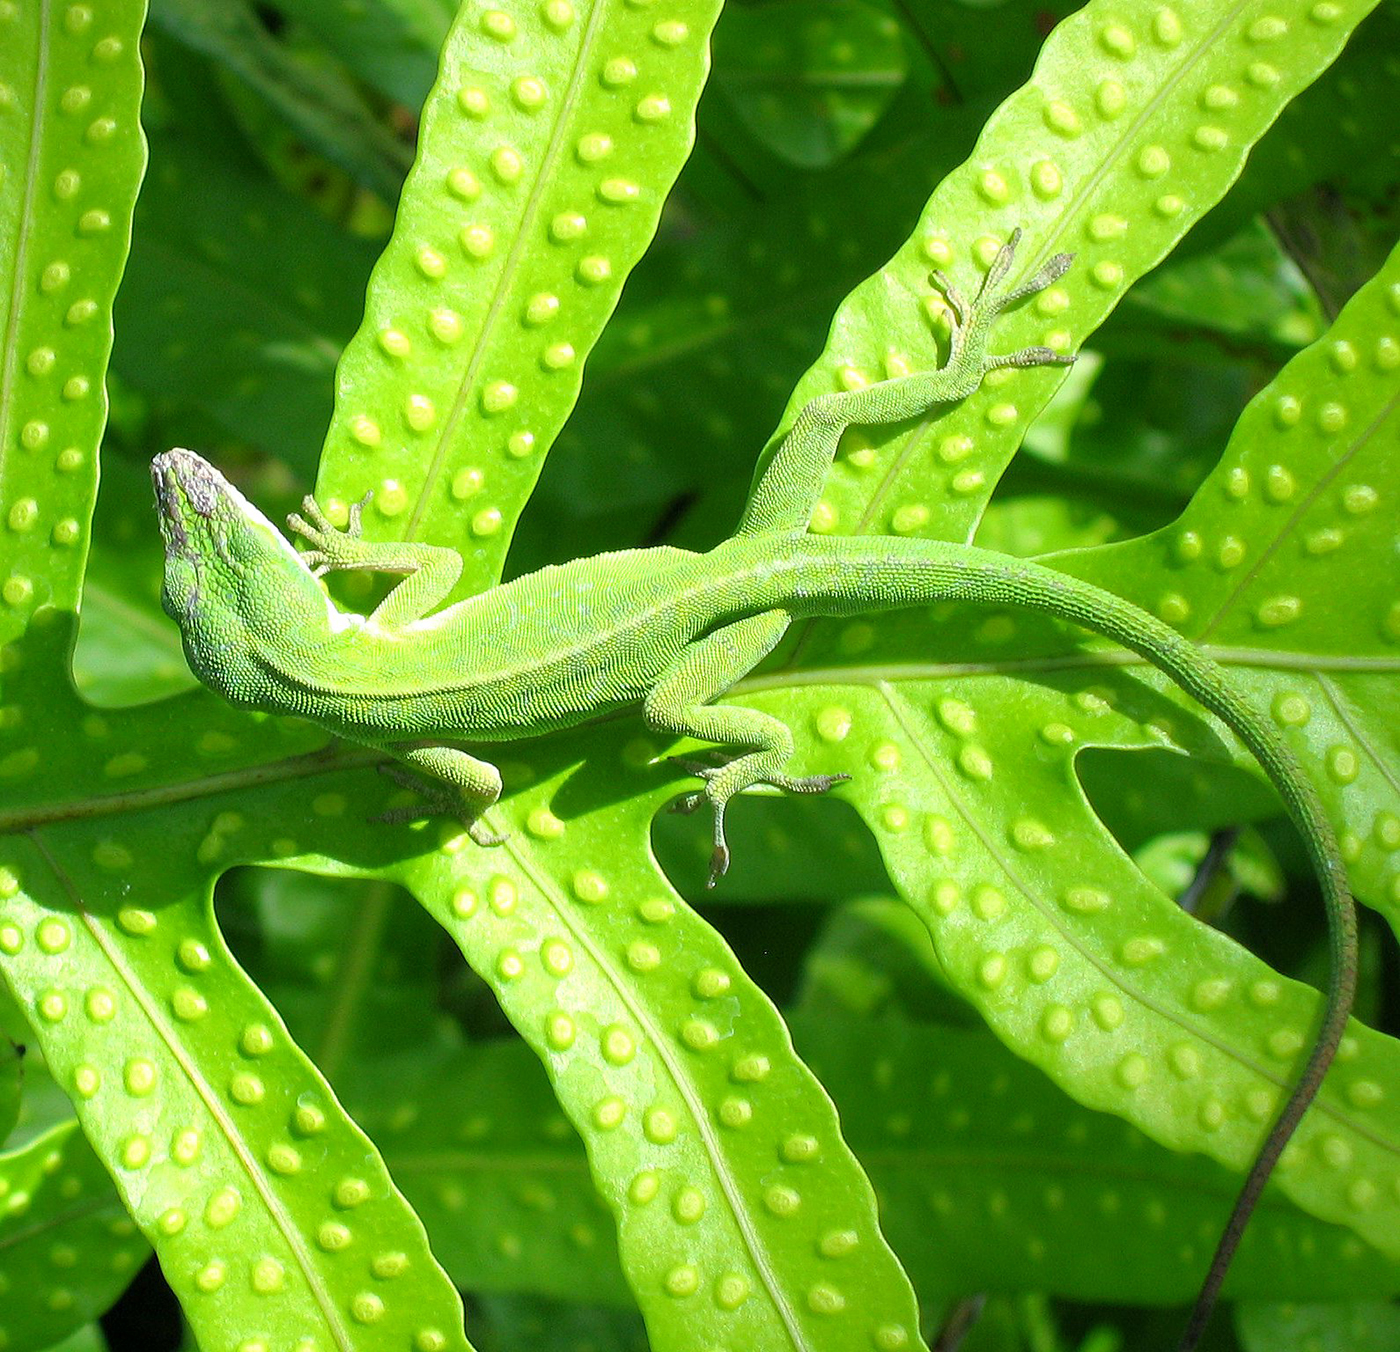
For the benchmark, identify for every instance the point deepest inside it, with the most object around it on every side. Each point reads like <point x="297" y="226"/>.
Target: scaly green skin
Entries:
<point x="665" y="628"/>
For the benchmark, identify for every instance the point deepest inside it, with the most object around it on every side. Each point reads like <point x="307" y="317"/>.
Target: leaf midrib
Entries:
<point x="77" y="1212"/>
<point x="338" y="757"/>
<point x="875" y="673"/>
<point x="296" y="326"/>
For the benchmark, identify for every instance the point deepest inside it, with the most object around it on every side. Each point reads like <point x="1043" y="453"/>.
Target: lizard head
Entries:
<point x="230" y="575"/>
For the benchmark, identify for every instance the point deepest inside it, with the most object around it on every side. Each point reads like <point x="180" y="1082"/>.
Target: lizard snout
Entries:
<point x="194" y="477"/>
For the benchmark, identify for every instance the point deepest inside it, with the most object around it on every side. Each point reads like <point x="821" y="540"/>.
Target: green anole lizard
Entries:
<point x="665" y="629"/>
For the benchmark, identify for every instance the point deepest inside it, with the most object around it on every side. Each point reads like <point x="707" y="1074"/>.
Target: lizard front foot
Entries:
<point x="331" y="549"/>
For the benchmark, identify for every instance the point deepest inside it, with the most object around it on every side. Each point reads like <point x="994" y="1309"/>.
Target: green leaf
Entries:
<point x="759" y="290"/>
<point x="760" y="283"/>
<point x="392" y="44"/>
<point x="699" y="1116"/>
<point x="1174" y="861"/>
<point x="874" y="959"/>
<point x="954" y="35"/>
<point x="1073" y="958"/>
<point x="87" y="1339"/>
<point x="1139" y="795"/>
<point x="776" y="839"/>
<point x="1036" y="916"/>
<point x="1134" y="123"/>
<point x="237" y="301"/>
<point x="522" y="1324"/>
<point x="503" y="1187"/>
<point x="545" y="151"/>
<point x="1326" y="136"/>
<point x="346" y="965"/>
<point x="67" y="1249"/>
<point x="810" y="77"/>
<point x="270" y="1211"/>
<point x="71" y="156"/>
<point x="988" y="1177"/>
<point x="1294" y="517"/>
<point x="196" y="1137"/>
<point x="741" y="1213"/>
<point x="1246" y="289"/>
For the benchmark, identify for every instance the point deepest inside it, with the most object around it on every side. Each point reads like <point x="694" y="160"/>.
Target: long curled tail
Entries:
<point x="894" y="573"/>
<point x="1209" y="684"/>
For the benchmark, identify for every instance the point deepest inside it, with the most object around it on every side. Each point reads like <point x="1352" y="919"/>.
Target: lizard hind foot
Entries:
<point x="717" y="793"/>
<point x="970" y="322"/>
<point x="991" y="304"/>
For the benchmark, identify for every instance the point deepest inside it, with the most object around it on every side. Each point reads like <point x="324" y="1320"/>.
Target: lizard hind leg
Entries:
<point x="793" y="471"/>
<point x="680" y="704"/>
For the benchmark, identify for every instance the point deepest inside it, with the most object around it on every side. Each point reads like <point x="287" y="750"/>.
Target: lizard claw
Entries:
<point x="354" y="525"/>
<point x="960" y="311"/>
<point x="719" y="864"/>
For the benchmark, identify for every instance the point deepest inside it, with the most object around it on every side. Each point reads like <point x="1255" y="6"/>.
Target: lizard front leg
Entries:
<point x="460" y="786"/>
<point x="429" y="571"/>
<point x="679" y="703"/>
